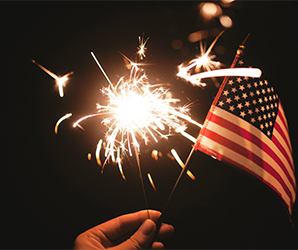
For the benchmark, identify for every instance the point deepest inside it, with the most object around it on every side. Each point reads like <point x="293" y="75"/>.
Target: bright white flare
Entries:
<point x="137" y="111"/>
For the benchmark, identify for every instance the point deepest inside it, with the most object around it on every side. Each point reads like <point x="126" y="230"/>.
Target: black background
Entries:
<point x="51" y="192"/>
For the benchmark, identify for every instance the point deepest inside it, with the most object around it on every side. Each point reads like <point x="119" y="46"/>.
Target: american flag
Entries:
<point x="246" y="127"/>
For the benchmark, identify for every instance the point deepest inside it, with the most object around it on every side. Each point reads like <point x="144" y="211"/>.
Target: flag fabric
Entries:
<point x="246" y="127"/>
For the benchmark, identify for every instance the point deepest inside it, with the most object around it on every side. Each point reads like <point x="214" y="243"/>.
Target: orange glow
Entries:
<point x="151" y="181"/>
<point x="226" y="21"/>
<point x="89" y="156"/>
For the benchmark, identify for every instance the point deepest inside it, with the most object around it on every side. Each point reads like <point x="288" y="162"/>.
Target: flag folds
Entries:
<point x="246" y="127"/>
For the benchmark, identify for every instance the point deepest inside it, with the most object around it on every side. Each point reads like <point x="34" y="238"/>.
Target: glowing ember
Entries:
<point x="151" y="181"/>
<point x="180" y="162"/>
<point x="61" y="120"/>
<point x="60" y="81"/>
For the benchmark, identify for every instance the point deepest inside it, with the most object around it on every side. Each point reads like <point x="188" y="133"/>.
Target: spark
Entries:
<point x="60" y="120"/>
<point x="60" y="81"/>
<point x="180" y="162"/>
<point x="142" y="48"/>
<point x="151" y="181"/>
<point x="210" y="67"/>
<point x="137" y="112"/>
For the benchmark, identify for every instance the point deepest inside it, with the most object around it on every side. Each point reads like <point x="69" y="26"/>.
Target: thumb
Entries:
<point x="142" y="238"/>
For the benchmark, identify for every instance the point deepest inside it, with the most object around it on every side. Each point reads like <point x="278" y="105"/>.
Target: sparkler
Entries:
<point x="60" y="81"/>
<point x="137" y="111"/>
<point x="206" y="62"/>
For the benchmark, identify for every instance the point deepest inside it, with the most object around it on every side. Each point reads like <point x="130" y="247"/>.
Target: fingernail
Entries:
<point x="147" y="227"/>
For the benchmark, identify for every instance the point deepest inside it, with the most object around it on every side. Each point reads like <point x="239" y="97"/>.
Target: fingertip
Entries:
<point x="157" y="245"/>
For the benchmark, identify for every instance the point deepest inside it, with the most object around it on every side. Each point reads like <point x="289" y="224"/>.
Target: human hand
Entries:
<point x="129" y="231"/>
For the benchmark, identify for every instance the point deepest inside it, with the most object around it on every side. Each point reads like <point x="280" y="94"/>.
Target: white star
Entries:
<point x="221" y="103"/>
<point x="266" y="82"/>
<point x="258" y="92"/>
<point x="263" y="91"/>
<point x="231" y="108"/>
<point x="237" y="98"/>
<point x="257" y="110"/>
<point x="275" y="104"/>
<point x="244" y="95"/>
<point x="246" y="78"/>
<point x="268" y="133"/>
<point x="234" y="90"/>
<point x="273" y="114"/>
<point x="228" y="100"/>
<point x="239" y="79"/>
<point x="267" y="107"/>
<point x="230" y="82"/>
<point x="225" y="92"/>
<point x="262" y="108"/>
<point x="255" y="84"/>
<point x="254" y="102"/>
<point x="240" y="62"/>
<point x="253" y="120"/>
<point x="265" y="99"/>
<point x="268" y="90"/>
<point x="242" y="114"/>
<point x="259" y="118"/>
<point x="261" y="83"/>
<point x="260" y="100"/>
<point x="247" y="104"/>
<point x="269" y="115"/>
<point x="270" y="123"/>
<point x="249" y="85"/>
<point x="241" y="87"/>
<point x="262" y="126"/>
<point x="250" y="112"/>
<point x="265" y="117"/>
<point x="251" y="94"/>
<point x="239" y="106"/>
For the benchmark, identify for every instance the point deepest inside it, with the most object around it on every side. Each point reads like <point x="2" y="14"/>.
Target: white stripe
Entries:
<point x="285" y="131"/>
<point x="206" y="142"/>
<point x="241" y="141"/>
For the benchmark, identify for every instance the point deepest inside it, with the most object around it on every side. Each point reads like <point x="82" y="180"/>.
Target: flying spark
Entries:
<point x="142" y="48"/>
<point x="180" y="162"/>
<point x="60" y="81"/>
<point x="61" y="120"/>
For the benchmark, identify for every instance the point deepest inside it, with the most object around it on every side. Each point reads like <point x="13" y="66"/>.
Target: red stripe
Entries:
<point x="249" y="155"/>
<point x="253" y="139"/>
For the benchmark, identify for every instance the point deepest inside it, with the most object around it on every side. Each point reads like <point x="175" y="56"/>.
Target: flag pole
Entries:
<point x="166" y="207"/>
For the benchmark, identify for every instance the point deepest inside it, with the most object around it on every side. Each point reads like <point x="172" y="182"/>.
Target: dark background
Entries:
<point x="51" y="192"/>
